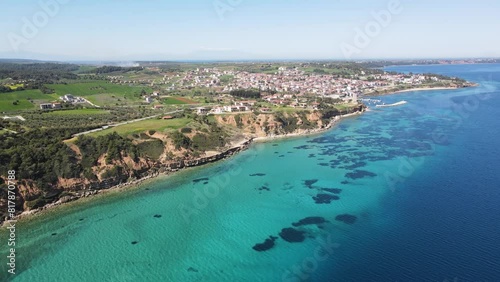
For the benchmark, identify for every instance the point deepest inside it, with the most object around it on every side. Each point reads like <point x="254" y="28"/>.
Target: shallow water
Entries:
<point x="421" y="180"/>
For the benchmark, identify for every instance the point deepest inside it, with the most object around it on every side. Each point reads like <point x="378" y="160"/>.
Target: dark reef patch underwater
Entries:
<point x="292" y="235"/>
<point x="325" y="198"/>
<point x="310" y="220"/>
<point x="268" y="244"/>
<point x="346" y="218"/>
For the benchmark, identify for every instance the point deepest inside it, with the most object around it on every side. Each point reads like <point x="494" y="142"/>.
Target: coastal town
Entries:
<point x="284" y="87"/>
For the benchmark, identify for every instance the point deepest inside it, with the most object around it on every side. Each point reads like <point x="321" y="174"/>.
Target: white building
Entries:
<point x="202" y="110"/>
<point x="217" y="110"/>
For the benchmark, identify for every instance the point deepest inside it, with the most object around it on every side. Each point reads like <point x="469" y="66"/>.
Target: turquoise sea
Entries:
<point x="407" y="193"/>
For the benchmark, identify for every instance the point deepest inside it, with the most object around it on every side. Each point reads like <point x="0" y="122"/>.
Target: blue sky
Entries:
<point x="248" y="29"/>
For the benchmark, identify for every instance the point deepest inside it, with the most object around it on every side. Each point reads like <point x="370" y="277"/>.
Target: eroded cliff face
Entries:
<point x="30" y="195"/>
<point x="128" y="170"/>
<point x="280" y="123"/>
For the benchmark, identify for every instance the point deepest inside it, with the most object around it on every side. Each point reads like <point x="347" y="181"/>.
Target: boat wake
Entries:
<point x="392" y="105"/>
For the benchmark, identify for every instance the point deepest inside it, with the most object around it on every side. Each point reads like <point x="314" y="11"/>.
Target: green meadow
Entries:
<point x="173" y="101"/>
<point x="24" y="97"/>
<point x="142" y="126"/>
<point x="102" y="93"/>
<point x="15" y="86"/>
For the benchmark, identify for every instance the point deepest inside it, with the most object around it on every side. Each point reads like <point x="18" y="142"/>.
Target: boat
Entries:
<point x="392" y="105"/>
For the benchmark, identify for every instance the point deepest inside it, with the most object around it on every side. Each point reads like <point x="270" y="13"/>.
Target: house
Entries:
<point x="265" y="110"/>
<point x="46" y="106"/>
<point x="158" y="107"/>
<point x="68" y="98"/>
<point x="315" y="105"/>
<point x="156" y="94"/>
<point x="231" y="109"/>
<point x="149" y="100"/>
<point x="202" y="110"/>
<point x="217" y="110"/>
<point x="247" y="103"/>
<point x="56" y="106"/>
<point x="167" y="117"/>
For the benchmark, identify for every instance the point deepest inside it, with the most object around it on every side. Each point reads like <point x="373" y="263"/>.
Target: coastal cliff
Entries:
<point x="126" y="162"/>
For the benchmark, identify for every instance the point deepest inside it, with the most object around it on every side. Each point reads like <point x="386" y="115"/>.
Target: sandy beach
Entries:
<point x="414" y="89"/>
<point x="426" y="89"/>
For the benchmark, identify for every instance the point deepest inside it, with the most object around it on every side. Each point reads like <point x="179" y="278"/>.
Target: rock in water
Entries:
<point x="310" y="182"/>
<point x="346" y="218"/>
<point x="268" y="244"/>
<point x="292" y="235"/>
<point x="325" y="198"/>
<point x="310" y="220"/>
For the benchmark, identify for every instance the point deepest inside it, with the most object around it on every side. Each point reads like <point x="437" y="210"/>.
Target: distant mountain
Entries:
<point x="19" y="61"/>
<point x="221" y="55"/>
<point x="200" y="55"/>
<point x="23" y="55"/>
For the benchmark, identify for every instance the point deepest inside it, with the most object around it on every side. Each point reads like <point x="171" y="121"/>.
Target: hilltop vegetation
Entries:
<point x="110" y="69"/>
<point x="35" y="76"/>
<point x="246" y="93"/>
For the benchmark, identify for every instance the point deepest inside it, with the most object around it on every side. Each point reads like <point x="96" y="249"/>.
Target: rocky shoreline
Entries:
<point x="94" y="188"/>
<point x="91" y="189"/>
<point x="332" y="122"/>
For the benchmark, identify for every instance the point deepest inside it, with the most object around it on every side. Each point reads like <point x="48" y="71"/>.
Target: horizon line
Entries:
<point x="251" y="60"/>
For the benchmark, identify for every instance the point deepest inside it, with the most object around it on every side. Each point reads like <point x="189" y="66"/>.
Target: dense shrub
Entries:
<point x="151" y="149"/>
<point x="186" y="130"/>
<point x="180" y="141"/>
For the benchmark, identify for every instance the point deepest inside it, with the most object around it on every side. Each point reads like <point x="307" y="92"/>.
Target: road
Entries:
<point x="15" y="117"/>
<point x="91" y="103"/>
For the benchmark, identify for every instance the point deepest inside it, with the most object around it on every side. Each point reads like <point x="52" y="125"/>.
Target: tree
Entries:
<point x="180" y="140"/>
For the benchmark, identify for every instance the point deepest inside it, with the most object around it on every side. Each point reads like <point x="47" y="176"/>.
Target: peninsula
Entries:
<point x="70" y="131"/>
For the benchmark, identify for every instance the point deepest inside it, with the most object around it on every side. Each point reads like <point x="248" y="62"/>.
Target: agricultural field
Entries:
<point x="15" y="86"/>
<point x="178" y="101"/>
<point x="159" y="125"/>
<point x="24" y="99"/>
<point x="102" y="93"/>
